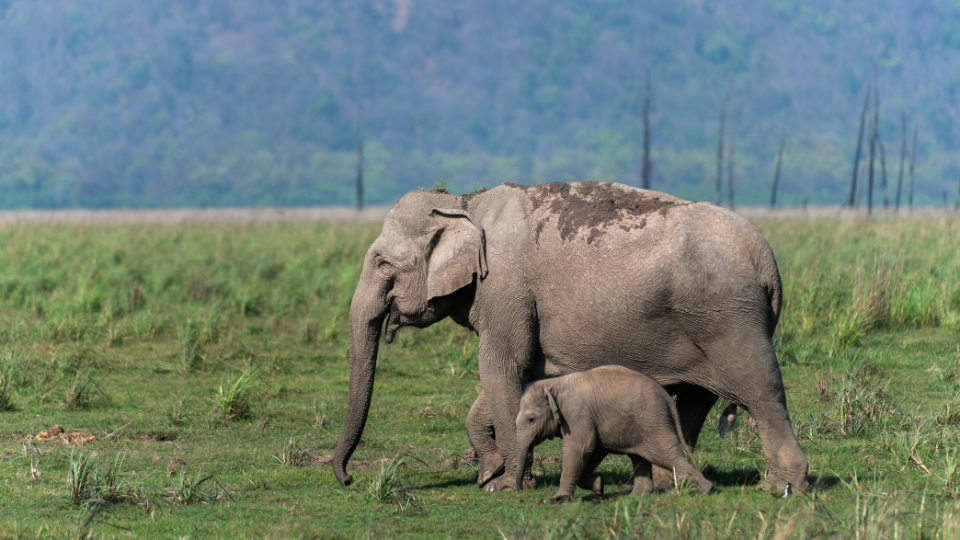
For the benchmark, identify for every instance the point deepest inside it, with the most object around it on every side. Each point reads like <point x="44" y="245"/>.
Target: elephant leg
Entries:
<point x="506" y="356"/>
<point x="693" y="407"/>
<point x="674" y="459"/>
<point x="766" y="402"/>
<point x="786" y="463"/>
<point x="577" y="456"/>
<point x="590" y="480"/>
<point x="642" y="476"/>
<point x="483" y="440"/>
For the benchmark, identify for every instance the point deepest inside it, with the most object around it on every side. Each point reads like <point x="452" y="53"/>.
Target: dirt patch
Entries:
<point x="593" y="207"/>
<point x="322" y="461"/>
<point x="57" y="433"/>
<point x="161" y="437"/>
<point x="174" y="465"/>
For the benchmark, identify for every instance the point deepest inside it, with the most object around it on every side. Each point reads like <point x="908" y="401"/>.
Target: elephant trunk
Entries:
<point x="366" y="322"/>
<point x="523" y="451"/>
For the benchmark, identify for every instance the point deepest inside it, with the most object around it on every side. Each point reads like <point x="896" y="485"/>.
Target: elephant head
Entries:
<point x="430" y="248"/>
<point x="539" y="419"/>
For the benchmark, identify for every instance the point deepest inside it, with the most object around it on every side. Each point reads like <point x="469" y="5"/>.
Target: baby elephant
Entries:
<point x="606" y="410"/>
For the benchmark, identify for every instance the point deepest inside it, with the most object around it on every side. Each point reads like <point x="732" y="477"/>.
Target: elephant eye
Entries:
<point x="384" y="268"/>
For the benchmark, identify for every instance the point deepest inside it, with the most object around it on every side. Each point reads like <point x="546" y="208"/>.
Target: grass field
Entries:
<point x="209" y="362"/>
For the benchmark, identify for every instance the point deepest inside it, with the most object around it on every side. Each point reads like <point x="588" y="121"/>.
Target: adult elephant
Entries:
<point x="564" y="277"/>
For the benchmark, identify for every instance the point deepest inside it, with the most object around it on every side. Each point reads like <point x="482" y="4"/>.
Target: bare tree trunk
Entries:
<point x="776" y="176"/>
<point x="359" y="138"/>
<point x="716" y="193"/>
<point x="874" y="137"/>
<point x="883" y="171"/>
<point x="913" y="161"/>
<point x="903" y="157"/>
<point x="645" y="168"/>
<point x="956" y="204"/>
<point x="733" y="149"/>
<point x="873" y="144"/>
<point x="852" y="201"/>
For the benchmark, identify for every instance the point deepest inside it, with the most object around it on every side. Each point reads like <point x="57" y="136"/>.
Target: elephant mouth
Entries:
<point x="393" y="321"/>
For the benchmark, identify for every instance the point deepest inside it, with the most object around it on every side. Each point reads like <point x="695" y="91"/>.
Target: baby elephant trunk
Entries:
<point x="523" y="451"/>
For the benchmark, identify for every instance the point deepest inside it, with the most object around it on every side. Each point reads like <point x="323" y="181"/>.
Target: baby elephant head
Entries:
<point x="539" y="419"/>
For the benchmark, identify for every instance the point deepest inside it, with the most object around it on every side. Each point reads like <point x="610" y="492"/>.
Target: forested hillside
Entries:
<point x="218" y="102"/>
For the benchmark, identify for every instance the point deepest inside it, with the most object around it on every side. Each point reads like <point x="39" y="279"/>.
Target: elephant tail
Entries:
<point x="728" y="419"/>
<point x="683" y="442"/>
<point x="770" y="281"/>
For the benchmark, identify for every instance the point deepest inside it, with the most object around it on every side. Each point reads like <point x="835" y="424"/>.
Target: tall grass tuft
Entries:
<point x="873" y="289"/>
<point x="234" y="395"/>
<point x="191" y="354"/>
<point x="83" y="391"/>
<point x="177" y="412"/>
<point x="950" y="476"/>
<point x="81" y="478"/>
<point x="6" y="387"/>
<point x="90" y="481"/>
<point x="292" y="454"/>
<point x="388" y="487"/>
<point x="190" y="490"/>
<point x="84" y="523"/>
<point x="858" y="395"/>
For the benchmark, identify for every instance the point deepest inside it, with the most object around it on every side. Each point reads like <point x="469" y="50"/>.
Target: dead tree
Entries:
<point x="913" y="161"/>
<point x="646" y="169"/>
<point x="874" y="129"/>
<point x="359" y="138"/>
<point x="883" y="172"/>
<point x="852" y="201"/>
<point x="903" y="156"/>
<point x="956" y="203"/>
<point x="776" y="176"/>
<point x="716" y="193"/>
<point x="733" y="149"/>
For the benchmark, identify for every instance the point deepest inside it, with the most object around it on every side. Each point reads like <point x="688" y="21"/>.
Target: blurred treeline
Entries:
<point x="219" y="102"/>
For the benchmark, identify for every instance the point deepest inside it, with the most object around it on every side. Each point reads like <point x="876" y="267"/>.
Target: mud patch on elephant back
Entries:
<point x="594" y="206"/>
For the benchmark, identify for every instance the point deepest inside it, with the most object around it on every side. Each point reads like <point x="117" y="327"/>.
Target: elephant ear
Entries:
<point x="459" y="253"/>
<point x="553" y="405"/>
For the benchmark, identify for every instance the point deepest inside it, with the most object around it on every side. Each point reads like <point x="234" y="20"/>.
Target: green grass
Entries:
<point x="157" y="325"/>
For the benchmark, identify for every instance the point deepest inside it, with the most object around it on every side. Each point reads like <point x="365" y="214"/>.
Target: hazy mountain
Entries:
<point x="218" y="102"/>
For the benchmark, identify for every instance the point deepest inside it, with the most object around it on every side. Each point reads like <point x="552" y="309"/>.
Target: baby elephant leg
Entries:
<point x="590" y="480"/>
<point x="682" y="468"/>
<point x="692" y="473"/>
<point x="642" y="476"/>
<point x="577" y="454"/>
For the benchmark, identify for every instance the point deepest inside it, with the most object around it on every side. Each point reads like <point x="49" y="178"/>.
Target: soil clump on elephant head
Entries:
<point x="594" y="206"/>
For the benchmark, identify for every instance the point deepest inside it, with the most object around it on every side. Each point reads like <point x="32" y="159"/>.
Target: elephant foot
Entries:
<point x="662" y="479"/>
<point x="559" y="499"/>
<point x="488" y="468"/>
<point x="778" y="484"/>
<point x="704" y="487"/>
<point x="593" y="482"/>
<point x="508" y="482"/>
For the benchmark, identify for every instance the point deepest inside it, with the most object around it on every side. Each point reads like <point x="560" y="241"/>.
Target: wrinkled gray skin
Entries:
<point x="605" y="410"/>
<point x="561" y="278"/>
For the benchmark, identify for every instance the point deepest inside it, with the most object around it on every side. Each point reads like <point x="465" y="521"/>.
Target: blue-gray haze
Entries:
<point x="220" y="102"/>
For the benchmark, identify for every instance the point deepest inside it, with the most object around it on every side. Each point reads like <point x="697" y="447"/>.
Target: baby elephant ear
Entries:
<point x="553" y="404"/>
